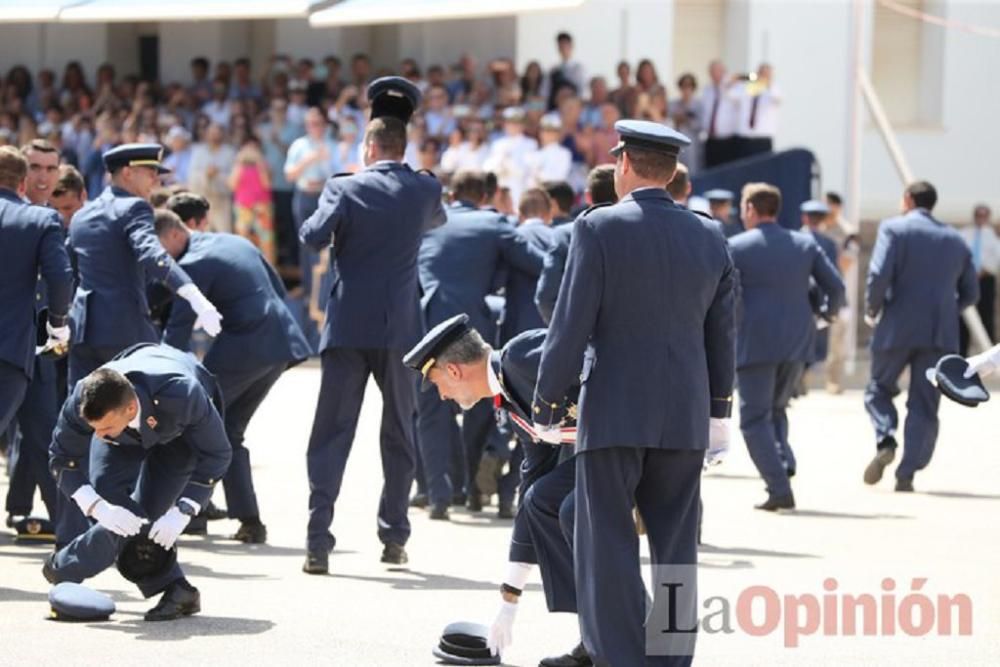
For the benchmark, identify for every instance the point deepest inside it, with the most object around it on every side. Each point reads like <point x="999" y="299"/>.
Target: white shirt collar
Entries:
<point x="491" y="378"/>
<point x="135" y="423"/>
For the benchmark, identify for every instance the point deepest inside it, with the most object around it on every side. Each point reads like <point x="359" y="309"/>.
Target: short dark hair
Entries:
<point x="469" y="185"/>
<point x="389" y="134"/>
<point x="834" y="198"/>
<point x="652" y="165"/>
<point x="165" y="220"/>
<point x="561" y="193"/>
<point x="13" y="167"/>
<point x="200" y="61"/>
<point x="104" y="391"/>
<point x="491" y="183"/>
<point x="40" y="145"/>
<point x="923" y="194"/>
<point x="70" y="180"/>
<point x="188" y="206"/>
<point x="534" y="203"/>
<point x="678" y="185"/>
<point x="687" y="77"/>
<point x="766" y="198"/>
<point x="159" y="197"/>
<point x="564" y="37"/>
<point x="601" y="184"/>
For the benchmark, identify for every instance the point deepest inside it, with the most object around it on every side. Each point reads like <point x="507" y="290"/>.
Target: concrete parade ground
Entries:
<point x="928" y="563"/>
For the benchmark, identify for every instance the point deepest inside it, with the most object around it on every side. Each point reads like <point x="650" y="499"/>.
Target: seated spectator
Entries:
<point x="211" y="163"/>
<point x="468" y="149"/>
<point x="686" y="114"/>
<point x="178" y="140"/>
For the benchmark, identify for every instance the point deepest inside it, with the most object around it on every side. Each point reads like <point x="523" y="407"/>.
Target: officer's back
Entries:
<point x="521" y="313"/>
<point x="458" y="261"/>
<point x="257" y="328"/>
<point x="31" y="238"/>
<point x="920" y="277"/>
<point x="776" y="319"/>
<point x="647" y="303"/>
<point x="374" y="221"/>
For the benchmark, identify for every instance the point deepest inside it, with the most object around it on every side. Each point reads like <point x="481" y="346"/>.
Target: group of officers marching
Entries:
<point x="610" y="363"/>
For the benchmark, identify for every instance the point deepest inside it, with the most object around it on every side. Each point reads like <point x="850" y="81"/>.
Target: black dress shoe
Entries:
<point x="180" y="599"/>
<point x="904" y="485"/>
<point x="790" y="472"/>
<point x="214" y="513"/>
<point x="775" y="503"/>
<point x="317" y="562"/>
<point x="883" y="457"/>
<point x="49" y="569"/>
<point x="505" y="510"/>
<point x="475" y="503"/>
<point x="576" y="658"/>
<point x="458" y="499"/>
<point x="251" y="532"/>
<point x="439" y="513"/>
<point x="394" y="554"/>
<point x="420" y="501"/>
<point x="11" y="520"/>
<point x="197" y="526"/>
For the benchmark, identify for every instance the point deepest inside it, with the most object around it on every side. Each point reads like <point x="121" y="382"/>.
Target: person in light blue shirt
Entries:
<point x="276" y="135"/>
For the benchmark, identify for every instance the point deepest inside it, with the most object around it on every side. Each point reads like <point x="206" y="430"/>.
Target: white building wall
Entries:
<point x="41" y="45"/>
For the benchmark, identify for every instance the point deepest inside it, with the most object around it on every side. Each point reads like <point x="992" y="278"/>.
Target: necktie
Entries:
<point x="132" y="433"/>
<point x="715" y="112"/>
<point x="977" y="249"/>
<point x="753" y="111"/>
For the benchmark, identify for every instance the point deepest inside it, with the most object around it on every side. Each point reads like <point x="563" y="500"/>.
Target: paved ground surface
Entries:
<point x="260" y="609"/>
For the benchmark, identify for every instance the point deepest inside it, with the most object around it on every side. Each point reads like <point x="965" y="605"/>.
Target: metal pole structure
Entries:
<point x="853" y="179"/>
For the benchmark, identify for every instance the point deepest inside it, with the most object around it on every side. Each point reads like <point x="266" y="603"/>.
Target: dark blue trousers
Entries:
<point x="921" y="427"/>
<point x="13" y="385"/>
<point x="664" y="484"/>
<point x="342" y="390"/>
<point x="440" y="438"/>
<point x="243" y="392"/>
<point x="540" y="510"/>
<point x="29" y="456"/>
<point x="148" y="482"/>
<point x="765" y="390"/>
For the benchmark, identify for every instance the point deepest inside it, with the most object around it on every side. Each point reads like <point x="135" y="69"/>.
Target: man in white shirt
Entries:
<point x="985" y="247"/>
<point x="552" y="161"/>
<point x="719" y="120"/>
<point x="509" y="154"/>
<point x="757" y="116"/>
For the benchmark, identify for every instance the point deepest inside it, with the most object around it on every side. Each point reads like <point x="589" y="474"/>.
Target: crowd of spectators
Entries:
<point x="259" y="147"/>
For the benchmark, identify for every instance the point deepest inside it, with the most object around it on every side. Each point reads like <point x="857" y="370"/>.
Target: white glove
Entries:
<point x="169" y="527"/>
<point x="57" y="334"/>
<point x="984" y="364"/>
<point x="870" y="320"/>
<point x="119" y="520"/>
<point x="209" y="318"/>
<point x="501" y="634"/>
<point x="549" y="434"/>
<point x="718" y="441"/>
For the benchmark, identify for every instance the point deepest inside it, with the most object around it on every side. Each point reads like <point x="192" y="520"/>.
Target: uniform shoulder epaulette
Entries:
<point x="701" y="214"/>
<point x="427" y="172"/>
<point x="343" y="173"/>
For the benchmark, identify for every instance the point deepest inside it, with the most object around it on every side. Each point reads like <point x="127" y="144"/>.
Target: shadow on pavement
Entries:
<point x="186" y="628"/>
<point x="746" y="551"/>
<point x="194" y="570"/>
<point x="960" y="494"/>
<point x="722" y="475"/>
<point x="217" y="544"/>
<point x="425" y="581"/>
<point x="820" y="514"/>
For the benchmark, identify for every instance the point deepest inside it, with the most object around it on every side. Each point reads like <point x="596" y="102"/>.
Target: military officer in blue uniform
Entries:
<point x="648" y="294"/>
<point x="458" y="262"/>
<point x="777" y="330"/>
<point x="600" y="190"/>
<point x="372" y="222"/>
<point x="920" y="278"/>
<point x="535" y="225"/>
<point x="464" y="369"/>
<point x="32" y="242"/>
<point x="117" y="254"/>
<point x="259" y="341"/>
<point x="720" y="205"/>
<point x="814" y="214"/>
<point x="149" y="421"/>
<point x="30" y="237"/>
